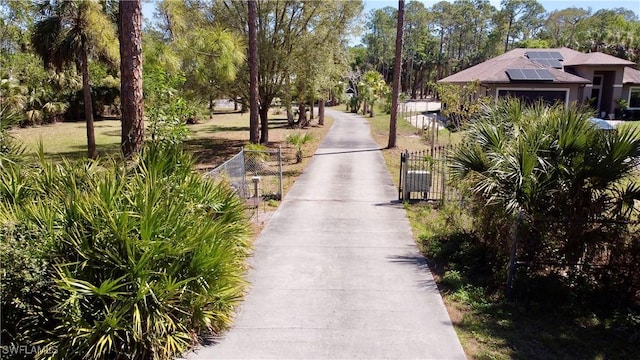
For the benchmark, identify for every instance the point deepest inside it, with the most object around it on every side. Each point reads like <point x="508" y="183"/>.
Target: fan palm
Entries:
<point x="12" y="101"/>
<point x="298" y="140"/>
<point x="550" y="163"/>
<point x="73" y="31"/>
<point x="373" y="88"/>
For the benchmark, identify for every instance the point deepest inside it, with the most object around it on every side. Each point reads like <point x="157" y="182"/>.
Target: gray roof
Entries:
<point x="631" y="76"/>
<point x="493" y="71"/>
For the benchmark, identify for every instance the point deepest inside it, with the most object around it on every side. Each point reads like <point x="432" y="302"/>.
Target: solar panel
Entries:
<point x="515" y="74"/>
<point x="544" y="74"/>
<point x="530" y="74"/>
<point x="553" y="55"/>
<point x="549" y="63"/>
<point x="556" y="64"/>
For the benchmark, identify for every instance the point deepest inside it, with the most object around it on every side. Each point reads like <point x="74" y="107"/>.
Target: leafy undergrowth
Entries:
<point x="111" y="261"/>
<point x="545" y="321"/>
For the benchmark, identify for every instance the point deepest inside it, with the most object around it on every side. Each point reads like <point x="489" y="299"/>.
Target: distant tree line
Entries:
<point x="452" y="36"/>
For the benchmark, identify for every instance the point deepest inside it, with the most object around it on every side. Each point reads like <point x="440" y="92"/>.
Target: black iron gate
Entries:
<point x="424" y="175"/>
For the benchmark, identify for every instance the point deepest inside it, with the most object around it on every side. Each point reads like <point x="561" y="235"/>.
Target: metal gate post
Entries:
<point x="401" y="179"/>
<point x="406" y="195"/>
<point x="280" y="171"/>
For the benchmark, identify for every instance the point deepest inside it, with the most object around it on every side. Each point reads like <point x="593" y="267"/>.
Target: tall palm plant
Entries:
<point x="12" y="102"/>
<point x="554" y="168"/>
<point x="373" y="88"/>
<point x="73" y="31"/>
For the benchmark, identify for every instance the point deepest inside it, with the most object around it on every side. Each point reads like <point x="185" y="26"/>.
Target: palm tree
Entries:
<point x="373" y="88"/>
<point x="539" y="163"/>
<point x="130" y="34"/>
<point x="298" y="140"/>
<point x="71" y="31"/>
<point x="12" y="101"/>
<point x="393" y="122"/>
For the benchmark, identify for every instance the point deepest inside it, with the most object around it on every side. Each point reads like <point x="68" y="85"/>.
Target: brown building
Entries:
<point x="561" y="74"/>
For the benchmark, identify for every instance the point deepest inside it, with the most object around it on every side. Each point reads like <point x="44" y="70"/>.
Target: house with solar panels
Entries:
<point x="558" y="75"/>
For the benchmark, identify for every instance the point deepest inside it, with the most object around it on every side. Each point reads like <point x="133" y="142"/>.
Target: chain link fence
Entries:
<point x="266" y="167"/>
<point x="253" y="173"/>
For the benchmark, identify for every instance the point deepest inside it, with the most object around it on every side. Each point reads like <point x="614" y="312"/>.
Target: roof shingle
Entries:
<point x="494" y="70"/>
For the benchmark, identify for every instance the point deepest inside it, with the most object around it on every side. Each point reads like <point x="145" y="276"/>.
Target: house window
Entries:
<point x="531" y="96"/>
<point x="634" y="97"/>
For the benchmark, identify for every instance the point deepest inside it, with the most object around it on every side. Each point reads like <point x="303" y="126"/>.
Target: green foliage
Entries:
<point x="452" y="279"/>
<point x="10" y="114"/>
<point x="114" y="262"/>
<point x="298" y="140"/>
<point x="460" y="102"/>
<point x="571" y="184"/>
<point x="167" y="111"/>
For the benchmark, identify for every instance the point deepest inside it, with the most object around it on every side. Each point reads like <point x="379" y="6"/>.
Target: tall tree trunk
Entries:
<point x="506" y="40"/>
<point x="132" y="100"/>
<point x="264" y="123"/>
<point x="253" y="75"/>
<point x="439" y="70"/>
<point x="311" y="107"/>
<point x="393" y="123"/>
<point x="321" y="112"/>
<point x="302" y="114"/>
<point x="88" y="106"/>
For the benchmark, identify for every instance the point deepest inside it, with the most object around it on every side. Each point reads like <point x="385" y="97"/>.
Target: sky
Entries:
<point x="148" y="6"/>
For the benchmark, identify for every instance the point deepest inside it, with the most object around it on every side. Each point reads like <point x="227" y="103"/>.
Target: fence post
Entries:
<point x="280" y="171"/>
<point x="400" y="179"/>
<point x="244" y="172"/>
<point x="406" y="195"/>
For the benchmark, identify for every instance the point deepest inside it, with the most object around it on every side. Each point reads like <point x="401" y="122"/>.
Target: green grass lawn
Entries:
<point x="212" y="141"/>
<point x="70" y="138"/>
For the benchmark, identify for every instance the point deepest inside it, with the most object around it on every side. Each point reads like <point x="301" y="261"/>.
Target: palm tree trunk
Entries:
<point x="253" y="72"/>
<point x="130" y="32"/>
<point x="393" y="122"/>
<point x="88" y="107"/>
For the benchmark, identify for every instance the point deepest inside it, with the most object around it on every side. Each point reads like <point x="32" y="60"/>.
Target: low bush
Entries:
<point x="114" y="262"/>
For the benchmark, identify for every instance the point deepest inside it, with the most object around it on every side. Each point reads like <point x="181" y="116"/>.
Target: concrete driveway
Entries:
<point x="336" y="273"/>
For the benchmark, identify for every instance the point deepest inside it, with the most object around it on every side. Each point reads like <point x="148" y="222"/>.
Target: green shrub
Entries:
<point x="298" y="140"/>
<point x="546" y="176"/>
<point x="138" y="262"/>
<point x="452" y="279"/>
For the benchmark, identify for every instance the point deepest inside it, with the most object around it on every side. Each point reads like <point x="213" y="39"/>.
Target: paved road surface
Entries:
<point x="336" y="274"/>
